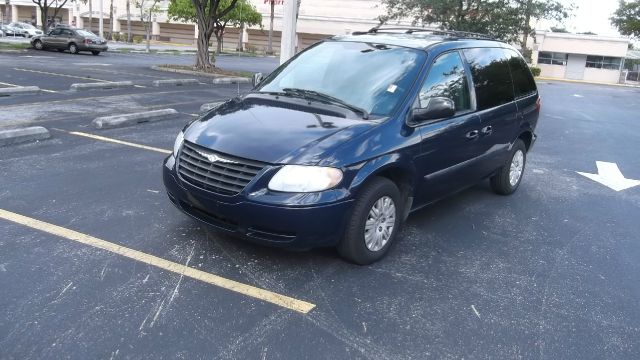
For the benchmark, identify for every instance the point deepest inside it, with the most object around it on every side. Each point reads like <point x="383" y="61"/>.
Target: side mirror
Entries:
<point x="437" y="108"/>
<point x="256" y="79"/>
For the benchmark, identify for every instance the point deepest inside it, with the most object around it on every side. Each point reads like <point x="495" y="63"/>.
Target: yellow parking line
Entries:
<point x="64" y="75"/>
<point x="235" y="286"/>
<point x="14" y="85"/>
<point x="116" y="141"/>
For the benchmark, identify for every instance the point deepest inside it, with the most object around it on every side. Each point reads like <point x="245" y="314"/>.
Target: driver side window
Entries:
<point x="447" y="78"/>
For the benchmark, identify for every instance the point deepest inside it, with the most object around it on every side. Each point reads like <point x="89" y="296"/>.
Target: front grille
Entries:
<point x="226" y="174"/>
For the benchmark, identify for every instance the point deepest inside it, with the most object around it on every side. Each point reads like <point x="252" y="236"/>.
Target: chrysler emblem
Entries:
<point x="215" y="158"/>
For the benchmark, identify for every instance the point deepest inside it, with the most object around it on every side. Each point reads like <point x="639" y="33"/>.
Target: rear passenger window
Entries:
<point x="447" y="78"/>
<point x="523" y="83"/>
<point x="491" y="77"/>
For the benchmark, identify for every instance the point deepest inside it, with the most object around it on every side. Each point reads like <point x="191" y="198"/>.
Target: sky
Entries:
<point x="589" y="15"/>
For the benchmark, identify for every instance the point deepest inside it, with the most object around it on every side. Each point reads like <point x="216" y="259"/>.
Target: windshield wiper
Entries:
<point x="315" y="95"/>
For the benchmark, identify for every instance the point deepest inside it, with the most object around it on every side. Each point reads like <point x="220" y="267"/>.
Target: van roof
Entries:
<point x="419" y="38"/>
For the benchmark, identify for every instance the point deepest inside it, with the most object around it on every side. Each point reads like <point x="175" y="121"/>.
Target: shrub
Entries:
<point x="115" y="37"/>
<point x="535" y="70"/>
<point x="137" y="39"/>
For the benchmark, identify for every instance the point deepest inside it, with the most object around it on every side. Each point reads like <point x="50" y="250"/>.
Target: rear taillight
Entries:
<point x="538" y="104"/>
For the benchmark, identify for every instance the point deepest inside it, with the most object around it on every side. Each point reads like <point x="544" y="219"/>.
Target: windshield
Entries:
<point x="27" y="26"/>
<point x="85" y="33"/>
<point x="373" y="77"/>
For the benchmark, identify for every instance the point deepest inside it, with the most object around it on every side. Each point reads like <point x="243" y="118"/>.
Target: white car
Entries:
<point x="28" y="30"/>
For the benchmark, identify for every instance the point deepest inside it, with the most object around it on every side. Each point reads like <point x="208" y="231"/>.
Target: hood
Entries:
<point x="265" y="128"/>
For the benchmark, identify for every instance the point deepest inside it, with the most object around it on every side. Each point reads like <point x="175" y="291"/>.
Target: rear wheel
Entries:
<point x="96" y="53"/>
<point x="374" y="222"/>
<point x="73" y="48"/>
<point x="38" y="45"/>
<point x="508" y="178"/>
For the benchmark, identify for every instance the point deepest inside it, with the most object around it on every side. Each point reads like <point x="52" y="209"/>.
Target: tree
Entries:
<point x="271" y="16"/>
<point x="45" y="6"/>
<point x="206" y="14"/>
<point x="110" y="37"/>
<point x="242" y="14"/>
<point x="559" y="30"/>
<point x="128" y="6"/>
<point x="147" y="9"/>
<point x="627" y="18"/>
<point x="504" y="19"/>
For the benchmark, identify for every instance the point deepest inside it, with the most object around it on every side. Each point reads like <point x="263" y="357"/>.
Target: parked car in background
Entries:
<point x="27" y="30"/>
<point x="67" y="38"/>
<point x="337" y="146"/>
<point x="9" y="30"/>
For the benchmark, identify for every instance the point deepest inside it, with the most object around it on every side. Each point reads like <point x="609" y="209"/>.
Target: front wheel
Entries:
<point x="96" y="53"/>
<point x="38" y="45"/>
<point x="508" y="178"/>
<point x="374" y="222"/>
<point x="73" y="48"/>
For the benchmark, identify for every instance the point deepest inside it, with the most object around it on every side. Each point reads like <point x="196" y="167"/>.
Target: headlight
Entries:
<point x="297" y="178"/>
<point x="178" y="144"/>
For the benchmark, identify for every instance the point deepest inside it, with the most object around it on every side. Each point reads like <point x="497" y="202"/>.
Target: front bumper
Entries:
<point x="92" y="47"/>
<point x="295" y="227"/>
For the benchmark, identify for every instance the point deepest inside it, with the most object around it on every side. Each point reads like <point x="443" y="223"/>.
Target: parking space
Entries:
<point x="550" y="272"/>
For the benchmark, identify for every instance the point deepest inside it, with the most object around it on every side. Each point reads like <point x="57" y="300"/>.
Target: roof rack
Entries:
<point x="412" y="29"/>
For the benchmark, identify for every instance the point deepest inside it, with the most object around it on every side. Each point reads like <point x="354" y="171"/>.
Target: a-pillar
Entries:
<point x="155" y="30"/>
<point x="14" y="13"/>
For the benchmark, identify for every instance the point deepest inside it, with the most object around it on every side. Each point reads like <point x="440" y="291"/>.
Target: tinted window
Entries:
<point x="375" y="77"/>
<point x="523" y="83"/>
<point x="55" y="32"/>
<point x="447" y="78"/>
<point x="491" y="77"/>
<point x="66" y="32"/>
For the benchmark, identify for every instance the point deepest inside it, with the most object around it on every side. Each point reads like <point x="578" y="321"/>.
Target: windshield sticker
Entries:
<point x="392" y="88"/>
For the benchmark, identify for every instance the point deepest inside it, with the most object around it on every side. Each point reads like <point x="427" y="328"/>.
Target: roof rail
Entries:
<point x="413" y="29"/>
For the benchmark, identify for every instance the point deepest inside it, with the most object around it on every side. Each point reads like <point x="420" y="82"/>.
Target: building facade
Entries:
<point x="580" y="57"/>
<point x="317" y="19"/>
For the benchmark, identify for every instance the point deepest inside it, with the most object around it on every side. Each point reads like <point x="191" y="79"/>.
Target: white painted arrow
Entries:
<point x="610" y="176"/>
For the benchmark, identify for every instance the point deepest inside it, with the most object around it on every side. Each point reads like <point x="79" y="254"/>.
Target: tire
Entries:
<point x="38" y="45"/>
<point x="354" y="245"/>
<point x="73" y="48"/>
<point x="502" y="182"/>
<point x="95" y="53"/>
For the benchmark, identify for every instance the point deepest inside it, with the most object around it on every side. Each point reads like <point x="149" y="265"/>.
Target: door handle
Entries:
<point x="472" y="134"/>
<point x="487" y="130"/>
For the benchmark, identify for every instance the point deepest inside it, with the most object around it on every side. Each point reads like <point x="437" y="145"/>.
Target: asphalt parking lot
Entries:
<point x="552" y="272"/>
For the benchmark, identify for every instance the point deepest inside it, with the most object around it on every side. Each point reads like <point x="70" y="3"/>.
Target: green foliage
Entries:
<point x="137" y="39"/>
<point x="503" y="19"/>
<point x="559" y="30"/>
<point x="115" y="37"/>
<point x="245" y="12"/>
<point x="535" y="70"/>
<point x="627" y="18"/>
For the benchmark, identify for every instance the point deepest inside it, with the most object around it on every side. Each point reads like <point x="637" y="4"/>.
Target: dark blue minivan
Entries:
<point x="338" y="145"/>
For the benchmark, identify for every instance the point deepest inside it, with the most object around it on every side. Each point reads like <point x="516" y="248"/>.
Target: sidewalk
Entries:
<point x="630" y="84"/>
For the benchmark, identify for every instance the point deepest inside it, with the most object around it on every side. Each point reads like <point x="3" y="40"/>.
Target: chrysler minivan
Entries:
<point x="341" y="143"/>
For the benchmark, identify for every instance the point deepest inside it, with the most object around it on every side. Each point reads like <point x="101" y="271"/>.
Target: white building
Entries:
<point x="580" y="57"/>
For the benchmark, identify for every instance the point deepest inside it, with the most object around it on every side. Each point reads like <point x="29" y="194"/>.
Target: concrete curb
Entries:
<point x="14" y="136"/>
<point x="195" y="73"/>
<point x="175" y="82"/>
<point x="206" y="107"/>
<point x="102" y="85"/>
<point x="107" y="122"/>
<point x="19" y="90"/>
<point x="231" y="80"/>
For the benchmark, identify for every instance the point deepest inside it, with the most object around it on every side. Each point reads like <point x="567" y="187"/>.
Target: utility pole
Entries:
<point x="101" y="22"/>
<point x="288" y="39"/>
